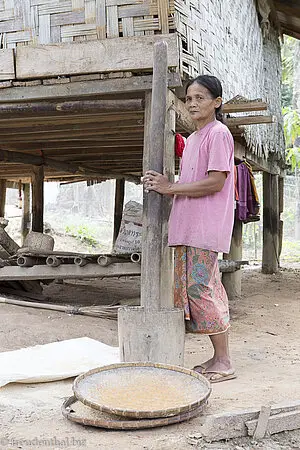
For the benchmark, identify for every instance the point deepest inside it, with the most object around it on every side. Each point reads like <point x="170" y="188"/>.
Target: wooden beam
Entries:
<point x="119" y="203"/>
<point x="270" y="259"/>
<point x="106" y="55"/>
<point x="69" y="107"/>
<point x="25" y="224"/>
<point x="18" y="157"/>
<point x="152" y="205"/>
<point x="84" y="89"/>
<point x="183" y="119"/>
<point x="244" y="107"/>
<point x="69" y="271"/>
<point x="38" y="199"/>
<point x="249" y="120"/>
<point x="2" y="197"/>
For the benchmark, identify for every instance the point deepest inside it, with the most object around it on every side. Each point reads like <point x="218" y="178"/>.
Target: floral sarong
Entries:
<point x="199" y="290"/>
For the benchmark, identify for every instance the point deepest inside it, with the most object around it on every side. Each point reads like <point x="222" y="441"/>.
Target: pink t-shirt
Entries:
<point x="205" y="222"/>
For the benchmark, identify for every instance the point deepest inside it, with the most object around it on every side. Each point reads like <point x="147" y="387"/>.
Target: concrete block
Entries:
<point x="276" y="423"/>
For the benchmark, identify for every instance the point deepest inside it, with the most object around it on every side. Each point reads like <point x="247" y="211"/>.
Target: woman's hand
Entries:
<point x="154" y="181"/>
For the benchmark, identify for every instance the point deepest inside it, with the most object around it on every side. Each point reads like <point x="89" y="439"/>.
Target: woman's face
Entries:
<point x="200" y="104"/>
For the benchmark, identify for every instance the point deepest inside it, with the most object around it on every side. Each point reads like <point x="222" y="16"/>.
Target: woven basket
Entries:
<point x="142" y="390"/>
<point x="74" y="410"/>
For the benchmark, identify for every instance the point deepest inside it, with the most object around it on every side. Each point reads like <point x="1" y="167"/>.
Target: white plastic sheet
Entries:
<point x="55" y="361"/>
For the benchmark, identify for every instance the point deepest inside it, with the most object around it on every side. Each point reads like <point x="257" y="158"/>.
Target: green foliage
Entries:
<point x="287" y="56"/>
<point x="83" y="234"/>
<point x="291" y="120"/>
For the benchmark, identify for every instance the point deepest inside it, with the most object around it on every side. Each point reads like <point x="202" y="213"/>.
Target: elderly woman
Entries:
<point x="201" y="222"/>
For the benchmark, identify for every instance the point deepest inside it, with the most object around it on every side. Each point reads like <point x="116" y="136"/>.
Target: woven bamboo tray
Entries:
<point x="142" y="390"/>
<point x="74" y="410"/>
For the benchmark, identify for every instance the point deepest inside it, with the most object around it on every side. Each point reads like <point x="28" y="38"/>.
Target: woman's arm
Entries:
<point x="154" y="181"/>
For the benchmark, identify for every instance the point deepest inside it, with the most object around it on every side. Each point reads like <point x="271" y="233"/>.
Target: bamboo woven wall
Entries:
<point x="24" y="22"/>
<point x="224" y="38"/>
<point x="220" y="37"/>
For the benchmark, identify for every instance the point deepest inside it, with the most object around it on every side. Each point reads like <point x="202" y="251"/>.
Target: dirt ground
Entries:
<point x="265" y="336"/>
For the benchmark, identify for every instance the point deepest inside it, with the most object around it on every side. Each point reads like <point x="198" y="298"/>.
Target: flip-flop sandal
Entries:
<point x="199" y="369"/>
<point x="217" y="377"/>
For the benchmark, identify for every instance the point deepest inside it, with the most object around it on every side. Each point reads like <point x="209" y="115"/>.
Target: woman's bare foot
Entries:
<point x="204" y="366"/>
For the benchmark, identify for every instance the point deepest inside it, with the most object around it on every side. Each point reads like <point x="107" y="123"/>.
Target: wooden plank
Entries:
<point x="152" y="208"/>
<point x="249" y="120"/>
<point x="7" y="69"/>
<point x="244" y="107"/>
<point x="84" y="89"/>
<point x="38" y="199"/>
<point x="92" y="56"/>
<point x="69" y="271"/>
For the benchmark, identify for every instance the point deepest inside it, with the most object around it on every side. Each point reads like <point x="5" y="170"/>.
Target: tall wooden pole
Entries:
<point x="25" y="211"/>
<point x="167" y="266"/>
<point x="271" y="226"/>
<point x="2" y="197"/>
<point x="119" y="203"/>
<point x="150" y="332"/>
<point x="38" y="199"/>
<point x="232" y="281"/>
<point x="152" y="209"/>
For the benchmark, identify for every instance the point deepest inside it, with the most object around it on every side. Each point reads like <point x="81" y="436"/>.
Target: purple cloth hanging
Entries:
<point x="245" y="204"/>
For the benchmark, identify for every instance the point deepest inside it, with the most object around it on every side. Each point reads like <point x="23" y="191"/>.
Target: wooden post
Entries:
<point x="270" y="260"/>
<point x="2" y="197"/>
<point x="152" y="209"/>
<point x="233" y="281"/>
<point x="38" y="199"/>
<point x="167" y="265"/>
<point x="281" y="206"/>
<point x="119" y="203"/>
<point x="149" y="332"/>
<point x="25" y="211"/>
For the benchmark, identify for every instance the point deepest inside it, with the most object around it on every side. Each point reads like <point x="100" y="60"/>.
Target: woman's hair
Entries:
<point x="213" y="85"/>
